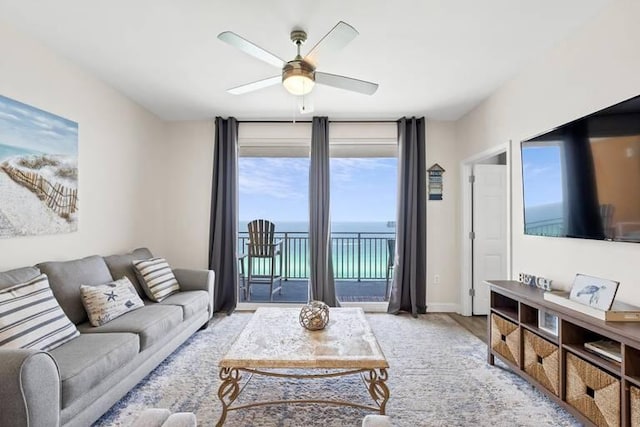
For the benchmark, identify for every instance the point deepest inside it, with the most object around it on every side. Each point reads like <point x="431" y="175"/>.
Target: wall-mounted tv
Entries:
<point x="582" y="179"/>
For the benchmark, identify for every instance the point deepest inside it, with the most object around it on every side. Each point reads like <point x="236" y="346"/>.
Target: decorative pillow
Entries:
<point x="30" y="317"/>
<point x="120" y="266"/>
<point x="106" y="302"/>
<point x="156" y="278"/>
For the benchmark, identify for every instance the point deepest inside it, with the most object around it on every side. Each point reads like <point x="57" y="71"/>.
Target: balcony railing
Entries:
<point x="356" y="255"/>
<point x="547" y="227"/>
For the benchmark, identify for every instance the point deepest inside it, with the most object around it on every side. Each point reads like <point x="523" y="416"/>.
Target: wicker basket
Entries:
<point x="505" y="338"/>
<point x="593" y="392"/>
<point x="634" y="397"/>
<point x="541" y="361"/>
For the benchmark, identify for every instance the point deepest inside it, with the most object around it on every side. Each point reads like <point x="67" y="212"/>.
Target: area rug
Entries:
<point x="438" y="376"/>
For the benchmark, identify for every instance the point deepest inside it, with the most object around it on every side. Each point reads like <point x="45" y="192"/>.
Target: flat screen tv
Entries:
<point x="582" y="179"/>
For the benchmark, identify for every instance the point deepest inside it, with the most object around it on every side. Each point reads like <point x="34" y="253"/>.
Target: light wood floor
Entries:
<point x="477" y="325"/>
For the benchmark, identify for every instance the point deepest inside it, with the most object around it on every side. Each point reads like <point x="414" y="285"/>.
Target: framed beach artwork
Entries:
<point x="593" y="291"/>
<point x="38" y="171"/>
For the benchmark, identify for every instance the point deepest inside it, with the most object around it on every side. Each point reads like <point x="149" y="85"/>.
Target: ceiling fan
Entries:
<point x="299" y="75"/>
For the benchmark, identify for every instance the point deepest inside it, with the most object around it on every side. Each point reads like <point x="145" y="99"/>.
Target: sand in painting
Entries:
<point x="23" y="213"/>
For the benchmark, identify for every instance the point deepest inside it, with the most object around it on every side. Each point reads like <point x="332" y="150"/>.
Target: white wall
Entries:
<point x="442" y="221"/>
<point x="188" y="170"/>
<point x="597" y="66"/>
<point x="118" y="205"/>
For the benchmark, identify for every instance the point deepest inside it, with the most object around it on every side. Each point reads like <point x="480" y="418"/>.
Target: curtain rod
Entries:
<point x="309" y="121"/>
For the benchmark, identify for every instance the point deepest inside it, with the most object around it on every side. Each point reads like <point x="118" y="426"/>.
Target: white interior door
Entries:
<point x="490" y="231"/>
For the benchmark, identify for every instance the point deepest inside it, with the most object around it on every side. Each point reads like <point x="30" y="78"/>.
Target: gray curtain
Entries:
<point x="409" y="287"/>
<point x="321" y="284"/>
<point x="222" y="232"/>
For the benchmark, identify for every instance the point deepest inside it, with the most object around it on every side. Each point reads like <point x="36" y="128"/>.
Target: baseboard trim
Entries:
<point x="443" y="307"/>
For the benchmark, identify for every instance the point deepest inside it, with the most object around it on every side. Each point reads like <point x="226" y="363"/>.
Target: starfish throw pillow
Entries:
<point x="106" y="302"/>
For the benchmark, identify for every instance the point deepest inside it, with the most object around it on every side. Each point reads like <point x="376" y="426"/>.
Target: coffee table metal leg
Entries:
<point x="228" y="391"/>
<point x="376" y="384"/>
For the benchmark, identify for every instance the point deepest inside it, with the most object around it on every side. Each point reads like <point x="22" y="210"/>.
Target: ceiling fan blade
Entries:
<point x="347" y="83"/>
<point x="260" y="84"/>
<point x="333" y="41"/>
<point x="251" y="49"/>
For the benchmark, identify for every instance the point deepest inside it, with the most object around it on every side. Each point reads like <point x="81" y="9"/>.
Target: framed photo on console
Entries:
<point x="594" y="291"/>
<point x="548" y="322"/>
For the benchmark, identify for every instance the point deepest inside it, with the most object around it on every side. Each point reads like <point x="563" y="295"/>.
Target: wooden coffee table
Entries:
<point x="274" y="339"/>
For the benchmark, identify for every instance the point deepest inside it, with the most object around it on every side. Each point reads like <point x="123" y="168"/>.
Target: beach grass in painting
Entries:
<point x="38" y="171"/>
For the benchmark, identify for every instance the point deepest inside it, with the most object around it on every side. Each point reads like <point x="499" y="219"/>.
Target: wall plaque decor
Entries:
<point x="527" y="279"/>
<point x="543" y="283"/>
<point x="38" y="171"/>
<point x="537" y="281"/>
<point x="435" y="182"/>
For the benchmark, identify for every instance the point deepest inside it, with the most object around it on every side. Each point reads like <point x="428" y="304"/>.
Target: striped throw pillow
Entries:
<point x="157" y="279"/>
<point x="104" y="303"/>
<point x="30" y="317"/>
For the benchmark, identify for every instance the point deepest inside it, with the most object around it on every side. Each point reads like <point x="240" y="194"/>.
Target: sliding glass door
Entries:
<point x="273" y="182"/>
<point x="363" y="212"/>
<point x="276" y="190"/>
<point x="274" y="185"/>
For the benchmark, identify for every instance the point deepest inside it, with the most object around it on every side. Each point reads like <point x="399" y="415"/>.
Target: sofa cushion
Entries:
<point x="90" y="358"/>
<point x="181" y="419"/>
<point x="121" y="266"/>
<point x="152" y="417"/>
<point x="17" y="276"/>
<point x="156" y="278"/>
<point x="192" y="302"/>
<point x="109" y="301"/>
<point x="152" y="323"/>
<point x="161" y="417"/>
<point x="373" y="420"/>
<point x="30" y="317"/>
<point x="66" y="277"/>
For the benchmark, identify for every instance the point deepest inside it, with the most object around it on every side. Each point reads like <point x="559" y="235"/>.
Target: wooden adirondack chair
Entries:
<point x="263" y="246"/>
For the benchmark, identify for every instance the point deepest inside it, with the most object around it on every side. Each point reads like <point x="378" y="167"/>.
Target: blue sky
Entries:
<point x="31" y="128"/>
<point x="542" y="175"/>
<point x="362" y="190"/>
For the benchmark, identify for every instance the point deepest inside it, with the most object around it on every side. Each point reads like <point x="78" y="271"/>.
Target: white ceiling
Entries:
<point x="431" y="57"/>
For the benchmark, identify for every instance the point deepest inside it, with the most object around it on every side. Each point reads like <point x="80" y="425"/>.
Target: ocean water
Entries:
<point x="546" y="212"/>
<point x="545" y="220"/>
<point x="7" y="151"/>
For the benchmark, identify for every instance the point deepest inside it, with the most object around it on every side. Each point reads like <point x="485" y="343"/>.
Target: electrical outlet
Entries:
<point x="436" y="279"/>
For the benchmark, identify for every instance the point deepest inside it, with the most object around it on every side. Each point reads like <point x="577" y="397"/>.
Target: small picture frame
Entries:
<point x="593" y="291"/>
<point x="548" y="322"/>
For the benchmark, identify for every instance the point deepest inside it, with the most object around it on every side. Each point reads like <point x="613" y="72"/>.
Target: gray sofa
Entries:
<point x="74" y="384"/>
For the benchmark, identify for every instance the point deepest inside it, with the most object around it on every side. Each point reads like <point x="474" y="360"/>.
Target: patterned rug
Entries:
<point x="438" y="376"/>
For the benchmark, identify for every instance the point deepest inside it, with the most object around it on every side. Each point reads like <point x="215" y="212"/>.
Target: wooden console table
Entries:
<point x="596" y="390"/>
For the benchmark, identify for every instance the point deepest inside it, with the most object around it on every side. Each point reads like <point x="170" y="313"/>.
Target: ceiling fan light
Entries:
<point x="298" y="85"/>
<point x="298" y="77"/>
